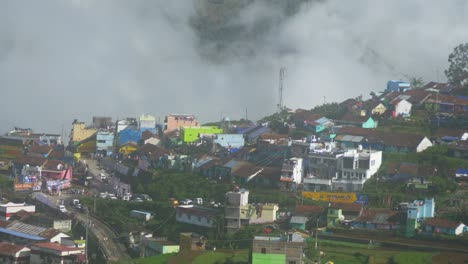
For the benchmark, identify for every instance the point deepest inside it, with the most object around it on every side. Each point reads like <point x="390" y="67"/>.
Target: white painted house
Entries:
<point x="357" y="167"/>
<point x="423" y="145"/>
<point x="402" y="108"/>
<point x="291" y="171"/>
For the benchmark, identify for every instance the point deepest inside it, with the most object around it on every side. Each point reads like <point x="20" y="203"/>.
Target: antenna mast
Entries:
<point x="280" y="90"/>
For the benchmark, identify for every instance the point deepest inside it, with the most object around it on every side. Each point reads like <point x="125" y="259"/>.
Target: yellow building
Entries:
<point x="80" y="132"/>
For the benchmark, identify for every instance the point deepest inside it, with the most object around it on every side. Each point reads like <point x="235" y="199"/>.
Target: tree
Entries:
<point x="416" y="82"/>
<point x="458" y="61"/>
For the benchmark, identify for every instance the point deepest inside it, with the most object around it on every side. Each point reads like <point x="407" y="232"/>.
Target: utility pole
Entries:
<point x="280" y="89"/>
<point x="86" y="239"/>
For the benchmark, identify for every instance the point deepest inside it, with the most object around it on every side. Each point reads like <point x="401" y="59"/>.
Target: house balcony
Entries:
<point x="287" y="167"/>
<point x="286" y="178"/>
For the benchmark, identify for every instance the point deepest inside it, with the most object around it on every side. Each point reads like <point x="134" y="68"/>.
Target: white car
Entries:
<point x="62" y="208"/>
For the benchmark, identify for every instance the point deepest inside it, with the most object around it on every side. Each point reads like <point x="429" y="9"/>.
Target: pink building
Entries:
<point x="56" y="170"/>
<point x="174" y="121"/>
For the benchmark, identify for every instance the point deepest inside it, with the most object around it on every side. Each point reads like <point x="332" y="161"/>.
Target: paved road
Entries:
<point x="112" y="247"/>
<point x="109" y="243"/>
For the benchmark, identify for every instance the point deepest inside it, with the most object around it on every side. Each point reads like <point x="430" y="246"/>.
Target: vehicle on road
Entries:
<point x="111" y="196"/>
<point x="186" y="202"/>
<point x="62" y="208"/>
<point x="127" y="197"/>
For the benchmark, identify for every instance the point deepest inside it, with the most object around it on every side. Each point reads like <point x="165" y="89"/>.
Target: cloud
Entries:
<point x="61" y="60"/>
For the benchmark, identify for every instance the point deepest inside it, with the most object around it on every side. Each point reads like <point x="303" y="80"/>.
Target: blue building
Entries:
<point x="104" y="142"/>
<point x="421" y="209"/>
<point x="129" y="135"/>
<point x="397" y="86"/>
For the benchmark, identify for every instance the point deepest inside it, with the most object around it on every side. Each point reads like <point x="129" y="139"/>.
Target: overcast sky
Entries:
<point x="73" y="59"/>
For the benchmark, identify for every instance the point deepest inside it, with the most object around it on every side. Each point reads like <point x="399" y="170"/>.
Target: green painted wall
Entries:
<point x="170" y="249"/>
<point x="370" y="123"/>
<point x="190" y="134"/>
<point x="259" y="258"/>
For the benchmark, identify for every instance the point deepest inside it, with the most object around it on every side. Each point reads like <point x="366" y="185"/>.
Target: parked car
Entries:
<point x="127" y="197"/>
<point x="62" y="208"/>
<point x="111" y="196"/>
<point x="186" y="202"/>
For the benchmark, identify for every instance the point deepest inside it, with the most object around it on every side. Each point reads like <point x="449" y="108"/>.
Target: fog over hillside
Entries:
<point x="61" y="60"/>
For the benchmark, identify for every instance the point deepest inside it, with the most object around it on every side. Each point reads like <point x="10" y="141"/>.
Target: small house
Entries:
<point x="444" y="226"/>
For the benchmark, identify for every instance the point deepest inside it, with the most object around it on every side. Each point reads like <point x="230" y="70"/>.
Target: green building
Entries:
<point x="279" y="249"/>
<point x="370" y="123"/>
<point x="259" y="258"/>
<point x="191" y="134"/>
<point x="334" y="217"/>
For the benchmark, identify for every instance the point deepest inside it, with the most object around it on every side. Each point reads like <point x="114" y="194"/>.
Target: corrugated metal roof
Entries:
<point x="20" y="234"/>
<point x="298" y="219"/>
<point x="350" y="138"/>
<point x="26" y="229"/>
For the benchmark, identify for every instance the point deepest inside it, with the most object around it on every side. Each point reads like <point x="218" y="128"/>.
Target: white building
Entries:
<point x="324" y="165"/>
<point x="402" y="108"/>
<point x="357" y="167"/>
<point x="147" y="121"/>
<point x="9" y="209"/>
<point x="291" y="172"/>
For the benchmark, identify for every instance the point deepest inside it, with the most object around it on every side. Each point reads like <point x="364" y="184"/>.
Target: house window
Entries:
<point x="189" y="217"/>
<point x="263" y="250"/>
<point x="199" y="219"/>
<point x="372" y="162"/>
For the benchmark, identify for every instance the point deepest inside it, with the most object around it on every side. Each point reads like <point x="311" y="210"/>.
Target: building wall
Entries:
<point x="104" y="141"/>
<point x="80" y="132"/>
<point x="167" y="249"/>
<point x="62" y="225"/>
<point x="174" y="122"/>
<point x="271" y="251"/>
<point x="147" y="121"/>
<point x="370" y="123"/>
<point x="379" y="109"/>
<point x="425" y="143"/>
<point x="259" y="258"/>
<point x="194" y="219"/>
<point x="191" y="134"/>
<point x="230" y="140"/>
<point x="403" y="108"/>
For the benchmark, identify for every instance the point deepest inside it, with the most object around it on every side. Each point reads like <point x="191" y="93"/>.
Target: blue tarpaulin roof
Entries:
<point x="449" y="138"/>
<point x="20" y="234"/>
<point x="461" y="172"/>
<point x="258" y="132"/>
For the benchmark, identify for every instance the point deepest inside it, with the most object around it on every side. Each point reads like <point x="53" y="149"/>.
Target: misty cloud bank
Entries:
<point x="61" y="60"/>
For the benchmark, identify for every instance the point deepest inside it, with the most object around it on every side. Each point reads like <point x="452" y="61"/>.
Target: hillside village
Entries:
<point x="393" y="165"/>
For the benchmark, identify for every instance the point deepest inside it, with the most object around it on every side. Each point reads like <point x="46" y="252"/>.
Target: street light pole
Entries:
<point x="316" y="235"/>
